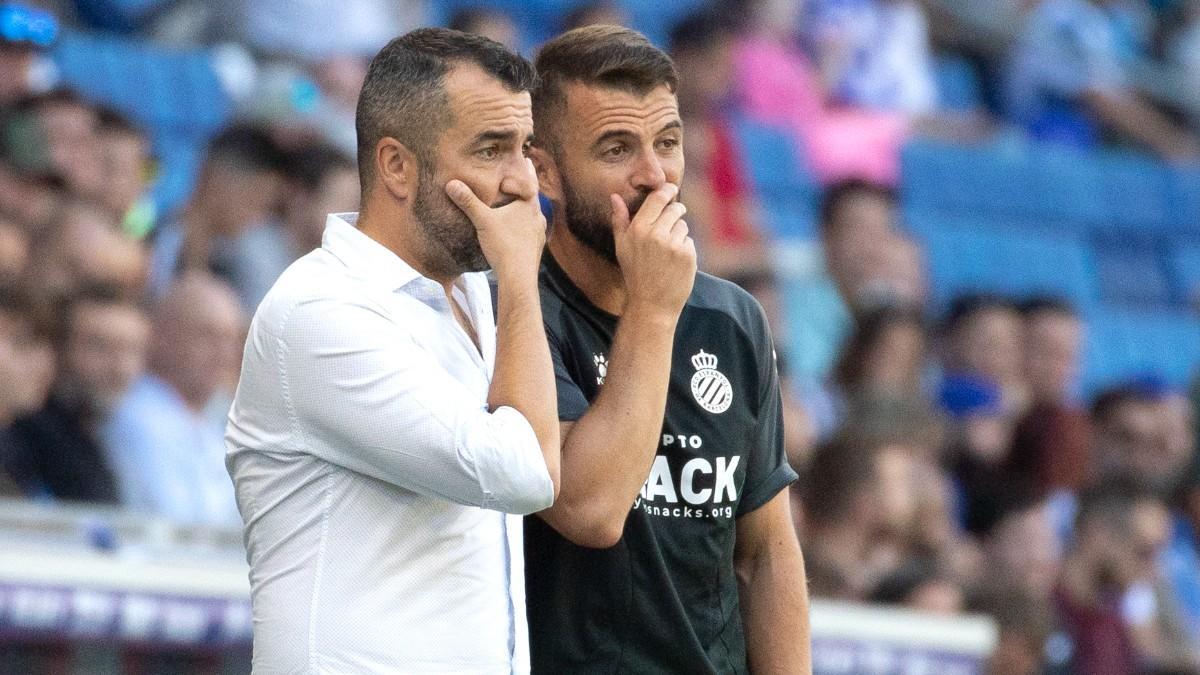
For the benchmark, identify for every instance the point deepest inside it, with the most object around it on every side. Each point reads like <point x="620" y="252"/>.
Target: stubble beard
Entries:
<point x="449" y="232"/>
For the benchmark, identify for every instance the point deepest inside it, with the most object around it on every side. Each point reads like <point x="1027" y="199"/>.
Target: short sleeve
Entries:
<point x="572" y="404"/>
<point x="768" y="470"/>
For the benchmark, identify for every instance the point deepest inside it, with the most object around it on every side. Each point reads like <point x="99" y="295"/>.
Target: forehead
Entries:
<point x="480" y="101"/>
<point x="595" y="110"/>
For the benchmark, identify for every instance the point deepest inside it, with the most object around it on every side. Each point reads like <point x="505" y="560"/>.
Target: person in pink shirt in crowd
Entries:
<point x="777" y="84"/>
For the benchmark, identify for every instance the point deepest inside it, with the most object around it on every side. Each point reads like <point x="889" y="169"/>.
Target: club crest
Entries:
<point x="601" y="362"/>
<point x="711" y="388"/>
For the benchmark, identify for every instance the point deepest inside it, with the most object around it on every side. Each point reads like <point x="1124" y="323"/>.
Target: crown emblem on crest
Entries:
<point x="704" y="361"/>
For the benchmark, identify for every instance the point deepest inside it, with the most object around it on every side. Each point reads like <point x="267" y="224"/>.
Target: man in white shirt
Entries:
<point x="385" y="424"/>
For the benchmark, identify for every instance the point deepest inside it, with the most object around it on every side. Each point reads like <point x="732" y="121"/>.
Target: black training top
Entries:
<point x="664" y="599"/>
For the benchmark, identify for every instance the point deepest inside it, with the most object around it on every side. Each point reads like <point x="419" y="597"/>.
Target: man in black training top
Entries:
<point x="670" y="549"/>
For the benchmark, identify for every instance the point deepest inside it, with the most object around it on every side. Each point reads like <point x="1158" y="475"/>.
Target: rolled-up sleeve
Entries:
<point x="362" y="394"/>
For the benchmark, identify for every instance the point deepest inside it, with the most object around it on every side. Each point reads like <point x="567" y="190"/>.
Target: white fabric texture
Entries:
<point x="373" y="482"/>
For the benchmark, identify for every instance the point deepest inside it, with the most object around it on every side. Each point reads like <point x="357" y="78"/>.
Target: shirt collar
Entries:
<point x="363" y="255"/>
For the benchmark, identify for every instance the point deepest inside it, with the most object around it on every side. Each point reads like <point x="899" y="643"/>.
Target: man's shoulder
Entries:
<point x="714" y="294"/>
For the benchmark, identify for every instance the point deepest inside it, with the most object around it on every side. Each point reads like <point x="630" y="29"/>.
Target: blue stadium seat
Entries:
<point x="1070" y="187"/>
<point x="1008" y="262"/>
<point x="1184" y="186"/>
<point x="977" y="180"/>
<point x="159" y="88"/>
<point x="787" y="191"/>
<point x="1130" y="271"/>
<point x="1137" y="190"/>
<point x="1184" y="262"/>
<point x="1124" y="344"/>
<point x="655" y="19"/>
<point x="958" y="84"/>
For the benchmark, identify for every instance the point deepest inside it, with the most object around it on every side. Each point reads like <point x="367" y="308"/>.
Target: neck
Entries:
<point x="600" y="280"/>
<point x="405" y="238"/>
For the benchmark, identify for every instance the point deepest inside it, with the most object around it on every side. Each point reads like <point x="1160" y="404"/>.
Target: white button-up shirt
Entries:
<point x="372" y="479"/>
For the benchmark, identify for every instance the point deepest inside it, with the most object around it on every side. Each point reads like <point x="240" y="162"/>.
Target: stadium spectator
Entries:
<point x="1180" y="563"/>
<point x="1142" y="434"/>
<point x="1069" y="81"/>
<point x="14" y="251"/>
<point x="102" y="349"/>
<point x="66" y="126"/>
<point x="27" y="373"/>
<point x="84" y="247"/>
<point x="163" y="443"/>
<point x="722" y="209"/>
<point x="980" y="431"/>
<point x="868" y="263"/>
<point x="321" y="180"/>
<point x="885" y="356"/>
<point x="125" y="153"/>
<point x="1099" y="567"/>
<point x="779" y="86"/>
<point x="919" y="584"/>
<point x="982" y="335"/>
<point x="1053" y="439"/>
<point x="490" y="22"/>
<point x="1021" y="548"/>
<point x="30" y="198"/>
<point x="873" y="53"/>
<point x="229" y="225"/>
<point x="24" y="32"/>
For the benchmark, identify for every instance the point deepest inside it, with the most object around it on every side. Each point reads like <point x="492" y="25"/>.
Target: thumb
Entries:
<point x="465" y="199"/>
<point x="620" y="215"/>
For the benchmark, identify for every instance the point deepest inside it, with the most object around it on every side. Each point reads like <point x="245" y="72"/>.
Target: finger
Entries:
<point x="670" y="215"/>
<point x="620" y="214"/>
<point x="658" y="200"/>
<point x="465" y="199"/>
<point x="679" y="232"/>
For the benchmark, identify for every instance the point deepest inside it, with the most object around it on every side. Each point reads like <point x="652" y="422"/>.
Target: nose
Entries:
<point x="649" y="174"/>
<point x="519" y="182"/>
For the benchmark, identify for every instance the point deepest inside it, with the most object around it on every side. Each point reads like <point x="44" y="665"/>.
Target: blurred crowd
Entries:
<point x="950" y="462"/>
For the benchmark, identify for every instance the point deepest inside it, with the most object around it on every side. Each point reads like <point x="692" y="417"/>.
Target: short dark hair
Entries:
<point x="308" y="166"/>
<point x="843" y="191"/>
<point x="606" y="56"/>
<point x="403" y="95"/>
<point x="95" y="294"/>
<point x="699" y="31"/>
<point x="1108" y="401"/>
<point x="1046" y="304"/>
<point x="110" y="121"/>
<point x="1111" y="503"/>
<point x="869" y="329"/>
<point x="965" y="306"/>
<point x="245" y="148"/>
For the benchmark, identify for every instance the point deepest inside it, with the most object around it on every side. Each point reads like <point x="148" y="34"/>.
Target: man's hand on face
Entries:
<point x="511" y="236"/>
<point x="657" y="257"/>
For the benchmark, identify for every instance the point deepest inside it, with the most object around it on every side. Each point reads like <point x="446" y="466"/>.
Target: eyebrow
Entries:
<point x="502" y="136"/>
<point x="618" y="133"/>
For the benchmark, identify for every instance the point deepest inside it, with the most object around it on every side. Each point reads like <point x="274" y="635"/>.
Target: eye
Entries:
<point x="668" y="143"/>
<point x="526" y="148"/>
<point x="490" y="152"/>
<point x="616" y="151"/>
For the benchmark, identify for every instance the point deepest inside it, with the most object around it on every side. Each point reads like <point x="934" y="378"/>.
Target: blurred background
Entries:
<point x="974" y="224"/>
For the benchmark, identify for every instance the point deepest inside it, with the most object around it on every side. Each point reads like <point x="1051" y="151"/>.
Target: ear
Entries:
<point x="396" y="168"/>
<point x="549" y="182"/>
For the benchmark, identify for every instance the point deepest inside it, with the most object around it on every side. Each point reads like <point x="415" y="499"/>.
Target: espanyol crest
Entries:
<point x="709" y="385"/>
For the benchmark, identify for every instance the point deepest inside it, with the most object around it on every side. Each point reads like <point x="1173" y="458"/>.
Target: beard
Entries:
<point x="590" y="220"/>
<point x="447" y="228"/>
